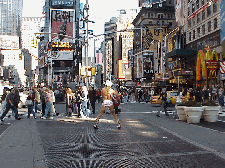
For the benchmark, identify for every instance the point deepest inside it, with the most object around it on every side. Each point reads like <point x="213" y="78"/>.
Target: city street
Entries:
<point x="143" y="141"/>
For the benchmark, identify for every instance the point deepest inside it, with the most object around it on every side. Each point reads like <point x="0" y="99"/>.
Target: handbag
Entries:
<point x="116" y="101"/>
<point x="28" y="103"/>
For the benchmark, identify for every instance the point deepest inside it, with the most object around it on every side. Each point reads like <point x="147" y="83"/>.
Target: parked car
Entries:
<point x="171" y="98"/>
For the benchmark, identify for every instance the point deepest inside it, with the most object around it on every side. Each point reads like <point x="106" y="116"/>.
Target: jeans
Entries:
<point x="7" y="108"/>
<point x="84" y="108"/>
<point x="48" y="108"/>
<point x="30" y="110"/>
<point x="163" y="106"/>
<point x="36" y="108"/>
<point x="175" y="113"/>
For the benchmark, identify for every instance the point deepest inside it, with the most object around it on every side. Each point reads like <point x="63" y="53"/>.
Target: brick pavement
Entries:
<point x="144" y="141"/>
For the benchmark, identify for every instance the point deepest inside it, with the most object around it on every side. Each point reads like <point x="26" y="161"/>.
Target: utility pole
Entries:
<point x="86" y="62"/>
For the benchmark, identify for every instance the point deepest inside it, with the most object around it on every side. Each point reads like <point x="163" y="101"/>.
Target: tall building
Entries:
<point x="10" y="17"/>
<point x="151" y="24"/>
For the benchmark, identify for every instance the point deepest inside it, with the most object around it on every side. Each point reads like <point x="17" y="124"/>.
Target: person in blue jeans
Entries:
<point x="36" y="101"/>
<point x="10" y="104"/>
<point x="30" y="107"/>
<point x="48" y="100"/>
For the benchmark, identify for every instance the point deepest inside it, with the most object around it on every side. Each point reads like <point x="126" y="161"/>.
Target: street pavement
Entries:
<point x="143" y="141"/>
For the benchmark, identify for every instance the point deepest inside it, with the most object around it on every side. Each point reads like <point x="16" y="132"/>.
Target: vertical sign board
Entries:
<point x="222" y="30"/>
<point x="148" y="65"/>
<point x="139" y="66"/>
<point x="130" y="58"/>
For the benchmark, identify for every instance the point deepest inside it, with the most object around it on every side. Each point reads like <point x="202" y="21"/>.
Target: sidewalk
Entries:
<point x="21" y="146"/>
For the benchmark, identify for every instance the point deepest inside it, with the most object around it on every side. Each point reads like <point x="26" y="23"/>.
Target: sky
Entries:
<point x="100" y="11"/>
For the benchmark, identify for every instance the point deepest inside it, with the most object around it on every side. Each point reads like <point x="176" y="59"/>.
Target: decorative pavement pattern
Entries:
<point x="138" y="144"/>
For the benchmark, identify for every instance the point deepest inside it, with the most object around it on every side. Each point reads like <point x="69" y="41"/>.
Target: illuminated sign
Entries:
<point x="62" y="3"/>
<point x="62" y="44"/>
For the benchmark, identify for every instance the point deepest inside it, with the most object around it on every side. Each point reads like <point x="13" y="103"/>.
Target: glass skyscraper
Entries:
<point x="10" y="17"/>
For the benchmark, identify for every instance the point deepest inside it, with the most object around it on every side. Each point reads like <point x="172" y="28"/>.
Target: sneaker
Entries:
<point x="51" y="118"/>
<point x="118" y="124"/>
<point x="157" y="115"/>
<point x="35" y="117"/>
<point x="43" y="118"/>
<point x="18" y="118"/>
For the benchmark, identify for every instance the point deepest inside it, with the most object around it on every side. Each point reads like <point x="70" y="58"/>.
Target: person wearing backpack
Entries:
<point x="163" y="96"/>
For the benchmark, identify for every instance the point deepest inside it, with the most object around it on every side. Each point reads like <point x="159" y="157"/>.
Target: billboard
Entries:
<point x="222" y="30"/>
<point x="62" y="4"/>
<point x="9" y="42"/>
<point x="62" y="55"/>
<point x="148" y="65"/>
<point x="62" y="25"/>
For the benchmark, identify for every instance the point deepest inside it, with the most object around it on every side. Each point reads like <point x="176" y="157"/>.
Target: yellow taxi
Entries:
<point x="171" y="98"/>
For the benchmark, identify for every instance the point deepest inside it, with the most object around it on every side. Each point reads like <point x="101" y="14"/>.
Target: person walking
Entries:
<point x="163" y="96"/>
<point x="31" y="106"/>
<point x="43" y="103"/>
<point x="78" y="103"/>
<point x="36" y="101"/>
<point x="16" y="97"/>
<point x="92" y="98"/>
<point x="10" y="104"/>
<point x="198" y="95"/>
<point x="107" y="95"/>
<point x="48" y="108"/>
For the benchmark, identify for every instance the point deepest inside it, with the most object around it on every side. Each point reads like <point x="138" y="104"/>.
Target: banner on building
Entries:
<point x="222" y="67"/>
<point x="148" y="64"/>
<point x="62" y="55"/>
<point x="130" y="58"/>
<point x="139" y="66"/>
<point x="121" y="74"/>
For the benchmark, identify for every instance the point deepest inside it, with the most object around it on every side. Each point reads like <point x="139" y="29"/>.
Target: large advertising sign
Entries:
<point x="222" y="22"/>
<point x="148" y="65"/>
<point x="62" y="25"/>
<point x="62" y="4"/>
<point x="9" y="42"/>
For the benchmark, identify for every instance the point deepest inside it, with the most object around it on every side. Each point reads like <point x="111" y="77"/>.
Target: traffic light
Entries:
<point x="34" y="42"/>
<point x="20" y="56"/>
<point x="93" y="71"/>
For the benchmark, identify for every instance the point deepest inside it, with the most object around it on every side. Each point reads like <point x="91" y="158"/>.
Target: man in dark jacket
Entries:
<point x="163" y="96"/>
<point x="92" y="98"/>
<point x="10" y="104"/>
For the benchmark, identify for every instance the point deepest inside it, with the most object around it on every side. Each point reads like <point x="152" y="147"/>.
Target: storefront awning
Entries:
<point x="181" y="52"/>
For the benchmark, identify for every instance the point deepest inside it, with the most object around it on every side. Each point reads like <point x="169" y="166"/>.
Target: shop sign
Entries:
<point x="212" y="64"/>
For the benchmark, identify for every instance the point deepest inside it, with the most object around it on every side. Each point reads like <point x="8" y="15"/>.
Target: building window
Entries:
<point x="193" y="8"/>
<point x="193" y="34"/>
<point x="209" y="26"/>
<point x="163" y="23"/>
<point x="203" y="2"/>
<point x="215" y="23"/>
<point x="152" y="15"/>
<point x="170" y="2"/>
<point x="203" y="29"/>
<point x="198" y="18"/>
<point x="148" y="15"/>
<point x="197" y="4"/>
<point x="189" y="36"/>
<point x="193" y="21"/>
<point x="189" y="12"/>
<point x="215" y="7"/>
<point x="203" y="14"/>
<point x="189" y="24"/>
<point x="198" y="31"/>
<point x="208" y="11"/>
<point x="158" y="23"/>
